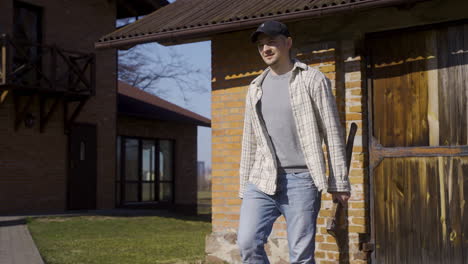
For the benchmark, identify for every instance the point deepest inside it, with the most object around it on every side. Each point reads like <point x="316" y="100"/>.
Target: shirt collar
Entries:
<point x="297" y="65"/>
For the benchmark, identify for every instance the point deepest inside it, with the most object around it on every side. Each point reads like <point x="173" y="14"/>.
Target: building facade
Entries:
<point x="60" y="125"/>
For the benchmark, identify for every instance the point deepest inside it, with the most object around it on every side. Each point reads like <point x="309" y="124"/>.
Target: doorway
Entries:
<point x="82" y="167"/>
<point x="419" y="144"/>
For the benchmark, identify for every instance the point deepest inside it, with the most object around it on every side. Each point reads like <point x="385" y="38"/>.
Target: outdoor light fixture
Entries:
<point x="29" y="120"/>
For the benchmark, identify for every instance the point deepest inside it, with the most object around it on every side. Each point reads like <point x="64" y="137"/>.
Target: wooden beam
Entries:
<point x="74" y="68"/>
<point x="44" y="116"/>
<point x="378" y="152"/>
<point x="3" y="96"/>
<point x="68" y="121"/>
<point x="21" y="112"/>
<point x="3" y="74"/>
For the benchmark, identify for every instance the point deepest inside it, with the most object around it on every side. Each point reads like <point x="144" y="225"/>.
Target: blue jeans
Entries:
<point x="298" y="199"/>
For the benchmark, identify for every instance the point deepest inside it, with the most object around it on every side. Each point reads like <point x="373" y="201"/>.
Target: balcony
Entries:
<point x="29" y="70"/>
<point x="45" y="68"/>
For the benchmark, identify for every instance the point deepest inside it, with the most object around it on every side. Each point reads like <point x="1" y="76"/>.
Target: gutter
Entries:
<point x="177" y="36"/>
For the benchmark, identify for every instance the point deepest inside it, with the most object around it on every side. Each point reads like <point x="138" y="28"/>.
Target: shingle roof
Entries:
<point x="138" y="103"/>
<point x="186" y="20"/>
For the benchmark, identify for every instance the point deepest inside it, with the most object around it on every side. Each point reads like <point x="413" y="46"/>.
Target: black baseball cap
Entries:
<point x="271" y="28"/>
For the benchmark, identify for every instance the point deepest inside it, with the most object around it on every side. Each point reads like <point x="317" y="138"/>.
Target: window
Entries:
<point x="27" y="32"/>
<point x="146" y="170"/>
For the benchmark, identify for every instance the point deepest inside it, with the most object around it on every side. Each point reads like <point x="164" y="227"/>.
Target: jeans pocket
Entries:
<point x="302" y="175"/>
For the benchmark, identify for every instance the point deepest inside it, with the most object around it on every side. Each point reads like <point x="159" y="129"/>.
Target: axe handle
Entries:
<point x="331" y="223"/>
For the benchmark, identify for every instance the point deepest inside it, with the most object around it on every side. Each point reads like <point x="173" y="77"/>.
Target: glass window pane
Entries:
<point x="131" y="192"/>
<point x="165" y="160"/>
<point x="165" y="192"/>
<point x="118" y="158"/>
<point x="148" y="192"/>
<point x="131" y="159"/>
<point x="117" y="193"/>
<point x="148" y="148"/>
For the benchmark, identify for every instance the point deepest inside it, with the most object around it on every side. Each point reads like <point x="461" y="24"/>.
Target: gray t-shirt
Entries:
<point x="276" y="111"/>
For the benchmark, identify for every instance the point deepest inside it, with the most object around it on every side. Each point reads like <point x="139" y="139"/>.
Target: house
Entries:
<point x="398" y="70"/>
<point x="158" y="140"/>
<point x="69" y="139"/>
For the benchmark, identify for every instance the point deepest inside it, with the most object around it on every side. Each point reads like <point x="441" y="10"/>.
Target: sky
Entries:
<point x="199" y="56"/>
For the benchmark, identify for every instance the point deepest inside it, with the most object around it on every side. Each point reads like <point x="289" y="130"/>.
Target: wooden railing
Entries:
<point x="46" y="67"/>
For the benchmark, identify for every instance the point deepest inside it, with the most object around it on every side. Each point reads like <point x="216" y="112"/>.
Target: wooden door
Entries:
<point x="418" y="89"/>
<point x="82" y="167"/>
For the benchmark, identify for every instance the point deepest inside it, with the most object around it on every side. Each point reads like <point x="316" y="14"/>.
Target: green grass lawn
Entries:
<point x="204" y="202"/>
<point x="104" y="239"/>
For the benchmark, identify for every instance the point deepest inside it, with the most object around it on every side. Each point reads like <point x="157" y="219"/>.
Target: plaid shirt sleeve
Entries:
<point x="249" y="147"/>
<point x="333" y="134"/>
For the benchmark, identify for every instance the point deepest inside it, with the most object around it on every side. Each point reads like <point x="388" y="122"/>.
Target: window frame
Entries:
<point x="120" y="181"/>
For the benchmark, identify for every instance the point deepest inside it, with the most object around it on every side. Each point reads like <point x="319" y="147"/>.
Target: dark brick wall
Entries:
<point x="33" y="165"/>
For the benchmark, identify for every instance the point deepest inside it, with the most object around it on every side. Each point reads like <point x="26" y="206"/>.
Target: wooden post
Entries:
<point x="4" y="60"/>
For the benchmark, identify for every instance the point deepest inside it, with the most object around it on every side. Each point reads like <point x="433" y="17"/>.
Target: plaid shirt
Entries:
<point x="316" y="116"/>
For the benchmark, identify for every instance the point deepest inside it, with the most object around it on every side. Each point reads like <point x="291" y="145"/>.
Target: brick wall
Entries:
<point x="33" y="165"/>
<point x="185" y="136"/>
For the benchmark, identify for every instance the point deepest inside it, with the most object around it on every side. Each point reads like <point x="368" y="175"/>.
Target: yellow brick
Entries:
<point x="224" y="194"/>
<point x="331" y="239"/>
<point x="234" y="217"/>
<point x="357" y="229"/>
<point x="216" y="105"/>
<point x="354" y="100"/>
<point x="234" y="104"/>
<point x="320" y="221"/>
<point x="354" y="116"/>
<point x="328" y="246"/>
<point x="357" y="205"/>
<point x="357" y="165"/>
<point x="234" y="118"/>
<point x="216" y="202"/>
<point x="358" y="261"/>
<point x="358" y="220"/>
<point x="320" y="254"/>
<point x="219" y="216"/>
<point x="357" y="172"/>
<point x="329" y="68"/>
<point x="236" y="201"/>
<point x="353" y="76"/>
<point x="231" y="187"/>
<point x="331" y="75"/>
<point x="233" y="132"/>
<point x="356" y="213"/>
<point x="356" y="109"/>
<point x="356" y="180"/>
<point x="325" y="213"/>
<point x="357" y="91"/>
<point x="333" y="255"/>
<point x="319" y="238"/>
<point x="355" y="84"/>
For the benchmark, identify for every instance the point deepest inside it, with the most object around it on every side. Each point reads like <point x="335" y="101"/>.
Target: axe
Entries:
<point x="333" y="224"/>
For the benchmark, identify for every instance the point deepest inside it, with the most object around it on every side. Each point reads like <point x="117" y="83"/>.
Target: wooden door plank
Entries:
<point x="432" y="89"/>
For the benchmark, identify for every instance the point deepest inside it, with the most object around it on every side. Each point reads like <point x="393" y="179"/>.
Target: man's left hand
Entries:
<point x="341" y="197"/>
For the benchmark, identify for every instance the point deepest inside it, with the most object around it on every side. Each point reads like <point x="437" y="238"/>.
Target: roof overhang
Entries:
<point x="133" y="34"/>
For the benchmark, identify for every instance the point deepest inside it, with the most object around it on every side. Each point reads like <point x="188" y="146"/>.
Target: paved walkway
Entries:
<point x="16" y="244"/>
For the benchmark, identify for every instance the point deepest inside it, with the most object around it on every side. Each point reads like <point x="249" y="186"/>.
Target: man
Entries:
<point x="289" y="111"/>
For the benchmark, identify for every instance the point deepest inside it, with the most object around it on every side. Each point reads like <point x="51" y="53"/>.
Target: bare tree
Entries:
<point x="145" y="67"/>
